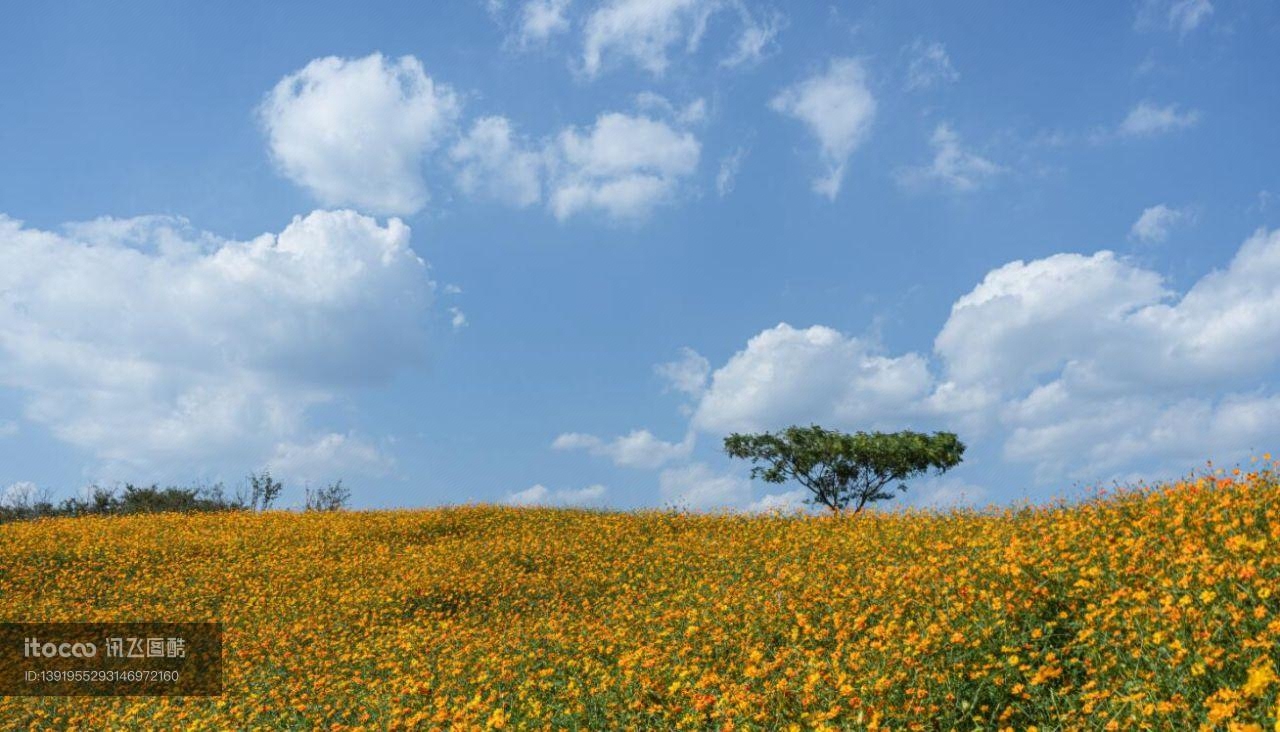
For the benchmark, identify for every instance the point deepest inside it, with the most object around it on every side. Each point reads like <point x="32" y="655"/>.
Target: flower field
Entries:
<point x="1155" y="608"/>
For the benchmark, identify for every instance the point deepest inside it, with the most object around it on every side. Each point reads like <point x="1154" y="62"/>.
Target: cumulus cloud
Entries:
<point x="688" y="374"/>
<point x="354" y="132"/>
<point x="1155" y="223"/>
<point x="994" y="333"/>
<point x="929" y="65"/>
<point x="1084" y="436"/>
<point x="1132" y="370"/>
<point x="1116" y="326"/>
<point x="492" y="162"/>
<point x="837" y="106"/>
<point x="622" y="166"/>
<point x="153" y="345"/>
<point x="1087" y="367"/>
<point x="1148" y="119"/>
<point x="644" y="32"/>
<point x="638" y="449"/>
<point x="357" y="132"/>
<point x="542" y="19"/>
<point x="328" y="457"/>
<point x="540" y="495"/>
<point x="697" y="487"/>
<point x="788" y="376"/>
<point x="1076" y="365"/>
<point x="953" y="167"/>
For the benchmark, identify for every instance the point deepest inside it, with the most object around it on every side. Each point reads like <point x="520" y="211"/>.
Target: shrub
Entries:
<point x="332" y="497"/>
<point x="263" y="491"/>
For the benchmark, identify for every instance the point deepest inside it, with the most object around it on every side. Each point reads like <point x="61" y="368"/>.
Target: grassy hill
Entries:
<point x="1157" y="608"/>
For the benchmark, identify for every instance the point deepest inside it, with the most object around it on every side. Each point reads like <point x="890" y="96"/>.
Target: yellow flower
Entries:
<point x="433" y="619"/>
<point x="498" y="719"/>
<point x="1261" y="675"/>
<point x="1220" y="711"/>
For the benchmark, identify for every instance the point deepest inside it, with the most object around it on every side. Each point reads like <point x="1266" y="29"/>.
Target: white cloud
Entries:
<point x="1087" y="437"/>
<point x="1155" y="223"/>
<point x="542" y="19"/>
<point x="688" y="374"/>
<point x="623" y="166"/>
<point x="155" y="346"/>
<point x="697" y="487"/>
<point x="638" y="449"/>
<point x="758" y="38"/>
<point x="728" y="174"/>
<point x="328" y="458"/>
<point x="1131" y="372"/>
<point x="1147" y="119"/>
<point x="540" y="495"/>
<point x="354" y="132"/>
<point x="491" y="162"/>
<point x="785" y="502"/>
<point x="1078" y="366"/>
<point x="8" y="428"/>
<point x="695" y="112"/>
<point x="952" y="166"/>
<point x="642" y="31"/>
<point x="357" y="132"/>
<point x="1182" y="16"/>
<point x="457" y="318"/>
<point x="930" y="66"/>
<point x="645" y="32"/>
<point x="838" y="108"/>
<point x="576" y="441"/>
<point x="946" y="492"/>
<point x="789" y="376"/>
<point x="996" y="332"/>
<point x="1115" y="325"/>
<point x="1086" y="367"/>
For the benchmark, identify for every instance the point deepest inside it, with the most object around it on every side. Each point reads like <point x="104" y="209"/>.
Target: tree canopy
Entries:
<point x="842" y="469"/>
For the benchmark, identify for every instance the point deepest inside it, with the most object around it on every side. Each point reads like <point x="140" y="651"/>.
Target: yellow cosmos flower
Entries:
<point x="1260" y="677"/>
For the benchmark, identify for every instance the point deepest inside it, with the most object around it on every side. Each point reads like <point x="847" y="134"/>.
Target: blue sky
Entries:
<point x="552" y="251"/>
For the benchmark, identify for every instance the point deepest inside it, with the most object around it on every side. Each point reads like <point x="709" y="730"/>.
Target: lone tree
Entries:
<point x="842" y="469"/>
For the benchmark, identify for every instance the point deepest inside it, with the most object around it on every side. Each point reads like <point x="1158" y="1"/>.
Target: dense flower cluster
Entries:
<point x="1154" y="608"/>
